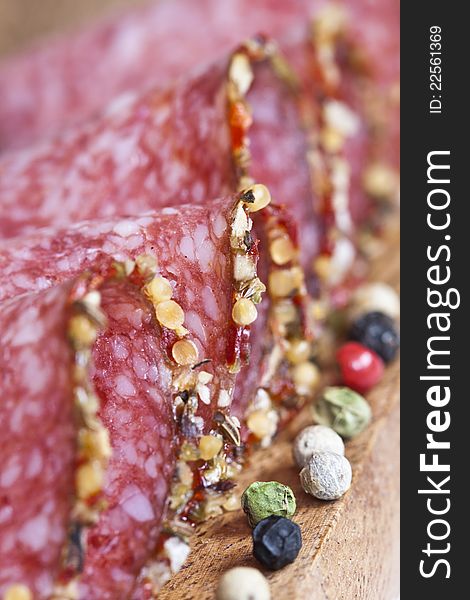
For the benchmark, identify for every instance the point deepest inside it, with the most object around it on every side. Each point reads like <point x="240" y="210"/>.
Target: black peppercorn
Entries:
<point x="377" y="331"/>
<point x="276" y="542"/>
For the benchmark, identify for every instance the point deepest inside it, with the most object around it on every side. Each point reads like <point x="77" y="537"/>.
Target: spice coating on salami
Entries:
<point x="278" y="142"/>
<point x="190" y="248"/>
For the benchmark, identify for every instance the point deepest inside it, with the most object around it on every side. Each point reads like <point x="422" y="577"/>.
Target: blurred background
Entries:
<point x="22" y="21"/>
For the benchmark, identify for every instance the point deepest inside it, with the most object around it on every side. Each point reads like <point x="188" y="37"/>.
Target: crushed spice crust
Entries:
<point x="93" y="445"/>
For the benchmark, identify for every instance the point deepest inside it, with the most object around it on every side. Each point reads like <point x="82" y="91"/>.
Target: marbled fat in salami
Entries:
<point x="39" y="432"/>
<point x="162" y="148"/>
<point x="145" y="149"/>
<point x="190" y="244"/>
<point x="187" y="239"/>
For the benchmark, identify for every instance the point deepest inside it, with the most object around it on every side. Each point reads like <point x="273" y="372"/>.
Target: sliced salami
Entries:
<point x="37" y="437"/>
<point x="132" y="376"/>
<point x="54" y="84"/>
<point x="178" y="290"/>
<point x="151" y="338"/>
<point x="53" y="537"/>
<point x="190" y="245"/>
<point x="68" y="508"/>
<point x="186" y="144"/>
<point x="252" y="116"/>
<point x="177" y="307"/>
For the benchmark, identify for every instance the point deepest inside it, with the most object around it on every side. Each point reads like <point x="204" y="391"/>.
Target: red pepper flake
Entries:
<point x="240" y="120"/>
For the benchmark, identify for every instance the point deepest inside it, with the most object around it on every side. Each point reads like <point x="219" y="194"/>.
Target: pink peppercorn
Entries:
<point x="360" y="367"/>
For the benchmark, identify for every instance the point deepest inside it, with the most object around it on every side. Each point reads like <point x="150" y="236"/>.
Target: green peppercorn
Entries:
<point x="342" y="409"/>
<point x="262" y="499"/>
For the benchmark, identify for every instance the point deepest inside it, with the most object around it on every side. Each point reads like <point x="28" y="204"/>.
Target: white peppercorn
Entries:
<point x="243" y="583"/>
<point x="374" y="297"/>
<point x="316" y="438"/>
<point x="327" y="475"/>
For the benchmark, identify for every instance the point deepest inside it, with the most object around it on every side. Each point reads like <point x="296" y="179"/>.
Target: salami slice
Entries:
<point x="189" y="143"/>
<point x="54" y="84"/>
<point x="37" y="437"/>
<point x="254" y="116"/>
<point x="70" y="508"/>
<point x="131" y="376"/>
<point x="177" y="290"/>
<point x="51" y="256"/>
<point x="192" y="247"/>
<point x="149" y="364"/>
<point x="167" y="309"/>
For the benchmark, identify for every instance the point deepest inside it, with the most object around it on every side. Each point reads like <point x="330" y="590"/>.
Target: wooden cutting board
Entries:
<point x="350" y="546"/>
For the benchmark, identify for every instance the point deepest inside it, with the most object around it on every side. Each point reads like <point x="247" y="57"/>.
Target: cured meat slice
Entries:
<point x="192" y="248"/>
<point x="162" y="360"/>
<point x="220" y="130"/>
<point x="37" y="437"/>
<point x="147" y="152"/>
<point x="120" y="53"/>
<point x="189" y="143"/>
<point x="193" y="242"/>
<point x="68" y="507"/>
<point x="136" y="371"/>
<point x="197" y="137"/>
<point x="132" y="378"/>
<point x="153" y="359"/>
<point x="31" y="107"/>
<point x="50" y="256"/>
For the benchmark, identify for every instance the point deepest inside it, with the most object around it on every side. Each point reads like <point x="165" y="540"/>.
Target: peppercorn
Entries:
<point x="327" y="475"/>
<point x="342" y="409"/>
<point x="374" y="297"/>
<point x="243" y="583"/>
<point x="17" y="591"/>
<point x="316" y="438"/>
<point x="360" y="367"/>
<point x="276" y="542"/>
<point x="377" y="331"/>
<point x="262" y="499"/>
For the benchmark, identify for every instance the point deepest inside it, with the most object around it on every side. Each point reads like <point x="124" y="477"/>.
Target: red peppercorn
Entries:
<point x="360" y="367"/>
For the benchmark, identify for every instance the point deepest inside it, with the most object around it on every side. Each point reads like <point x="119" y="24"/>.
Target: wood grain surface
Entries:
<point x="351" y="546"/>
